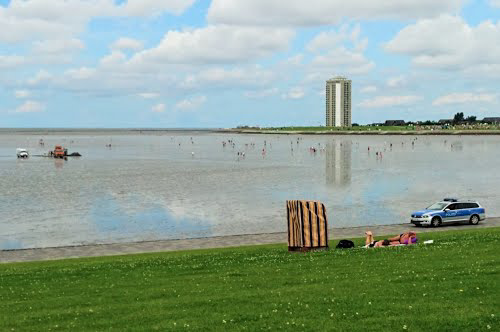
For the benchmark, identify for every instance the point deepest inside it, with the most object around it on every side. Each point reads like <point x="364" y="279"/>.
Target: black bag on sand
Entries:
<point x="345" y="244"/>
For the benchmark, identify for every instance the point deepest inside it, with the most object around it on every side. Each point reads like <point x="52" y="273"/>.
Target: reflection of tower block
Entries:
<point x="307" y="225"/>
<point x="338" y="163"/>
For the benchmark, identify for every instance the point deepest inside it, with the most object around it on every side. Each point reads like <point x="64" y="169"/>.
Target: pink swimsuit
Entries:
<point x="414" y="240"/>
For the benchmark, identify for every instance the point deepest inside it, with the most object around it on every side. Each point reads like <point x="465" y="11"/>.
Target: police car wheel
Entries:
<point x="474" y="219"/>
<point x="435" y="222"/>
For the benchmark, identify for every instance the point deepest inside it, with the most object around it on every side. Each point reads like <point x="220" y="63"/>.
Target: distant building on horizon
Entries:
<point x="338" y="102"/>
<point x="395" y="122"/>
<point x="492" y="120"/>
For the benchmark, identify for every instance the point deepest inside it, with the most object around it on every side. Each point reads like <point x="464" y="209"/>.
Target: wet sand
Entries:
<point x="27" y="255"/>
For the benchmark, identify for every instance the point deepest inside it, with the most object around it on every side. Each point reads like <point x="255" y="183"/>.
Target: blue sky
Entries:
<point x="223" y="63"/>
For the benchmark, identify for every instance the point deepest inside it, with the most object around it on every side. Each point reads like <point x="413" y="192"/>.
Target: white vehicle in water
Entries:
<point x="22" y="153"/>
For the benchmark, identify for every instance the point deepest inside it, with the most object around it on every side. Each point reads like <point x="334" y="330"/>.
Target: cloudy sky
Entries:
<point x="223" y="63"/>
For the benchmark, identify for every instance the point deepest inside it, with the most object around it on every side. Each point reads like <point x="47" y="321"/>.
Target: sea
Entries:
<point x="147" y="185"/>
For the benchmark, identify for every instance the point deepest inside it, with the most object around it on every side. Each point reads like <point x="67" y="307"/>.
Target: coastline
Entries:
<point x="102" y="131"/>
<point x="146" y="131"/>
<point x="112" y="249"/>
<point x="354" y="132"/>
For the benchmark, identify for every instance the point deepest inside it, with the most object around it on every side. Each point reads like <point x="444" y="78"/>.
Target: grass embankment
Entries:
<point x="450" y="285"/>
<point x="356" y="128"/>
<point x="390" y="129"/>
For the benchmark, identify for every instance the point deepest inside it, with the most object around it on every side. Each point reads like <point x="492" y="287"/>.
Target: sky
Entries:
<point x="225" y="63"/>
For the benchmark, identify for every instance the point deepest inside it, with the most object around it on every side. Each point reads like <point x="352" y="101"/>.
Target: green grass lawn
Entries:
<point x="451" y="285"/>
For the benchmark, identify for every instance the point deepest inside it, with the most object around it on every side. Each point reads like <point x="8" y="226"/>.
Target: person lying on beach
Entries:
<point x="401" y="239"/>
<point x="404" y="238"/>
<point x="371" y="243"/>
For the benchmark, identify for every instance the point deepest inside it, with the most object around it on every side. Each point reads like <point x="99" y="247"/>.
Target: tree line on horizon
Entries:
<point x="458" y="118"/>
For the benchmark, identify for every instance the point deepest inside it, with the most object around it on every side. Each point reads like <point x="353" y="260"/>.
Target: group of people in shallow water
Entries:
<point x="312" y="149"/>
<point x="401" y="239"/>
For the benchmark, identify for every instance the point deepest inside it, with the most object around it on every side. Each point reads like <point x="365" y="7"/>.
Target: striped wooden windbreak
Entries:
<point x="307" y="225"/>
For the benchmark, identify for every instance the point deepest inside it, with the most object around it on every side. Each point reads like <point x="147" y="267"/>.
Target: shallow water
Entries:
<point x="163" y="186"/>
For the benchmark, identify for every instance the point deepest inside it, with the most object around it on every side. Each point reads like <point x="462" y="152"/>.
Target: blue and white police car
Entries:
<point x="450" y="210"/>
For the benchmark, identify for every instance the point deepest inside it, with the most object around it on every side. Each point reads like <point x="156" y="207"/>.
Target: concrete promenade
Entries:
<point x="26" y="255"/>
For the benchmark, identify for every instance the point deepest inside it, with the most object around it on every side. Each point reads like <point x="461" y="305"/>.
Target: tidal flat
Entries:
<point x="160" y="185"/>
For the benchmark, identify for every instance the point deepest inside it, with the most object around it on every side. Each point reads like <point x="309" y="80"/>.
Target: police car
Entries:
<point x="447" y="211"/>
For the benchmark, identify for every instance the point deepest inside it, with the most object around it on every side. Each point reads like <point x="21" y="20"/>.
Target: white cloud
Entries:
<point x="123" y="79"/>
<point x="155" y="7"/>
<point x="315" y="76"/>
<point x="215" y="44"/>
<point x="35" y="19"/>
<point x="41" y="77"/>
<point x="463" y="98"/>
<point x="81" y="73"/>
<point x="294" y="60"/>
<point x="340" y="52"/>
<point x="395" y="82"/>
<point x="148" y="95"/>
<point x="110" y="77"/>
<point x="343" y="60"/>
<point x="113" y="59"/>
<point x="57" y="46"/>
<point x="261" y="93"/>
<point x="320" y="12"/>
<point x="10" y="61"/>
<point x="388" y="101"/>
<point x="20" y="94"/>
<point x="56" y="51"/>
<point x="495" y="3"/>
<point x="294" y="93"/>
<point x="125" y="43"/>
<point x="449" y="43"/>
<point x="221" y="77"/>
<point x="30" y="106"/>
<point x="158" y="108"/>
<point x="326" y="40"/>
<point x="368" y="89"/>
<point x="191" y="103"/>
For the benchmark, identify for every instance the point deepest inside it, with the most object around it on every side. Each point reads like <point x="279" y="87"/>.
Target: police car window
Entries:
<point x="437" y="206"/>
<point x="452" y="206"/>
<point x="461" y="206"/>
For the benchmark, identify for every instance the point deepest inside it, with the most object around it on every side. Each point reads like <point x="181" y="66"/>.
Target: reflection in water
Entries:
<point x="149" y="187"/>
<point x="119" y="215"/>
<point x="457" y="146"/>
<point x="338" y="163"/>
<point x="10" y="244"/>
<point x="58" y="163"/>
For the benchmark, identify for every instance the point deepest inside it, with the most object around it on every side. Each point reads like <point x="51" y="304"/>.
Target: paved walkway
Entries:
<point x="26" y="255"/>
